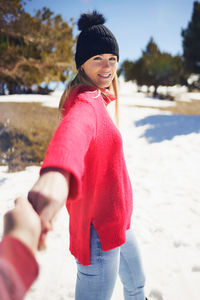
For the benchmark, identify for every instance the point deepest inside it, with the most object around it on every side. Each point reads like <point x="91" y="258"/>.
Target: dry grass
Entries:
<point x="26" y="129"/>
<point x="28" y="116"/>
<point x="183" y="108"/>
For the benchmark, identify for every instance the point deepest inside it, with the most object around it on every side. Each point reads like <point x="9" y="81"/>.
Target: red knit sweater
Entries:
<point x="89" y="146"/>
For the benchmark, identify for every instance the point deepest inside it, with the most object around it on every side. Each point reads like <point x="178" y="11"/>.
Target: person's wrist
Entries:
<point x="26" y="238"/>
<point x="65" y="173"/>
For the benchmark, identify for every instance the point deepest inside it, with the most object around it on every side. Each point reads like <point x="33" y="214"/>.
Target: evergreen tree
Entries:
<point x="191" y="41"/>
<point x="127" y="70"/>
<point x="33" y="49"/>
<point x="162" y="68"/>
<point x="155" y="68"/>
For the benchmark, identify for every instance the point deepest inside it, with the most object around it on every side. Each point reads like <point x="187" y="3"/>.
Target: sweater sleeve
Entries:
<point x="70" y="143"/>
<point x="18" y="269"/>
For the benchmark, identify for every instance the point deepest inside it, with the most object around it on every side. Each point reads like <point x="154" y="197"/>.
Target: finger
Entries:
<point x="42" y="242"/>
<point x="48" y="215"/>
<point x="46" y="227"/>
<point x="43" y="236"/>
<point x="19" y="201"/>
<point x="51" y="224"/>
<point x="22" y="203"/>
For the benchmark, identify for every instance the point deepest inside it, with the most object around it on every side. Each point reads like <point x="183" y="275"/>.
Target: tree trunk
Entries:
<point x="2" y="88"/>
<point x="155" y="94"/>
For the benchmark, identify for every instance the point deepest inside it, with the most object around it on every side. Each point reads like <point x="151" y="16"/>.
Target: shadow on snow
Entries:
<point x="2" y="180"/>
<point x="166" y="127"/>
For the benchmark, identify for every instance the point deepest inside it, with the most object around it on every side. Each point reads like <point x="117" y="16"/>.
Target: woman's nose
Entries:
<point x="106" y="63"/>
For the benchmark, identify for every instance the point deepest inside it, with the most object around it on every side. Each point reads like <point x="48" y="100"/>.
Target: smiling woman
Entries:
<point x="101" y="69"/>
<point x="85" y="165"/>
<point x="96" y="58"/>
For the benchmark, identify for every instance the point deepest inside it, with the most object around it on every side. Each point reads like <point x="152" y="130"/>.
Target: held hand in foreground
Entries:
<point x="23" y="223"/>
<point x="47" y="196"/>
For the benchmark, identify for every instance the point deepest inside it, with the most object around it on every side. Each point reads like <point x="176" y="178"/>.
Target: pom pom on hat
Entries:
<point x="95" y="38"/>
<point x="88" y="20"/>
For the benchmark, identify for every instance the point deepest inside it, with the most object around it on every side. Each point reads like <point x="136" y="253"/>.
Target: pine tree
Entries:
<point x="155" y="68"/>
<point x="33" y="49"/>
<point x="191" y="41"/>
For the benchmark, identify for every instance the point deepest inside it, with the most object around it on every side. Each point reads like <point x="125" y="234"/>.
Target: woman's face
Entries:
<point x="101" y="69"/>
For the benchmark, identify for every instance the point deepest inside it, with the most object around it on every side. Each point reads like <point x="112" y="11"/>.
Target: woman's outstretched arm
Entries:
<point x="48" y="195"/>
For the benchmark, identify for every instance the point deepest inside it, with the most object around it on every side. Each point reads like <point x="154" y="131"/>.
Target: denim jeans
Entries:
<point x="97" y="281"/>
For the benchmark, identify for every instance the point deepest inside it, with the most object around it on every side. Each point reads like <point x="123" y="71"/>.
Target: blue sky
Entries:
<point x="133" y="22"/>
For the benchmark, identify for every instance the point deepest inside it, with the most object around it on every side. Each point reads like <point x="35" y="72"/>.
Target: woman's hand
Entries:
<point x="23" y="223"/>
<point x="47" y="196"/>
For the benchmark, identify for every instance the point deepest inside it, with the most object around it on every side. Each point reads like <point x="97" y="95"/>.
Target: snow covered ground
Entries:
<point x="163" y="159"/>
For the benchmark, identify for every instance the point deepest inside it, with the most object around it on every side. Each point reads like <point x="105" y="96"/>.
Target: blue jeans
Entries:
<point x="97" y="281"/>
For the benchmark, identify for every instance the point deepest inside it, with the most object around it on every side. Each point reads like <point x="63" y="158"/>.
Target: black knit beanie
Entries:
<point x="94" y="39"/>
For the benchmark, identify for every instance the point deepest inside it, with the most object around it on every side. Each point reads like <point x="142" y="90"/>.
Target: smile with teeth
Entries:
<point x="105" y="75"/>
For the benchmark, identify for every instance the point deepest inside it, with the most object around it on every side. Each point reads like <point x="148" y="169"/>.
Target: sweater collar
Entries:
<point x="108" y="96"/>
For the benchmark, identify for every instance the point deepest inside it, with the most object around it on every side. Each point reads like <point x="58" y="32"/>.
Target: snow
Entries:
<point x="188" y="97"/>
<point x="46" y="100"/>
<point x="163" y="160"/>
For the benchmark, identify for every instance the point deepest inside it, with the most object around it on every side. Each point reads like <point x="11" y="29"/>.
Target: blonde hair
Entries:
<point x="82" y="79"/>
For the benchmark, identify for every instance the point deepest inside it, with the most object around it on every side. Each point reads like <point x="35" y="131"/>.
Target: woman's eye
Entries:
<point x="113" y="58"/>
<point x="97" y="58"/>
